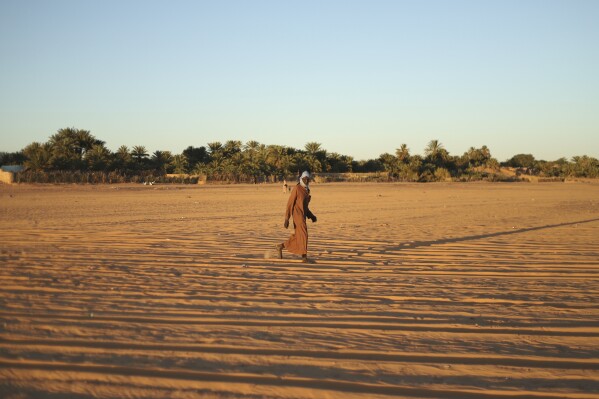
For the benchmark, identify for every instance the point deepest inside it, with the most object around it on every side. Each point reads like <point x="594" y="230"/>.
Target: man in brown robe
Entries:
<point x="297" y="208"/>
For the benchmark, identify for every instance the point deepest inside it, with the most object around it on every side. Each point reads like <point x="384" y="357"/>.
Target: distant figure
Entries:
<point x="285" y="186"/>
<point x="297" y="208"/>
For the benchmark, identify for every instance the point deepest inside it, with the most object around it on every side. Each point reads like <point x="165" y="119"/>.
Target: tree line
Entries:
<point x="76" y="152"/>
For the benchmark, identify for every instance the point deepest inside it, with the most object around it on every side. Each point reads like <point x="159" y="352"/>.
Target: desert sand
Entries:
<point x="419" y="291"/>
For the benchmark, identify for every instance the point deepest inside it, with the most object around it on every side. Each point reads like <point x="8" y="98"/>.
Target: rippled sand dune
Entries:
<point x="419" y="291"/>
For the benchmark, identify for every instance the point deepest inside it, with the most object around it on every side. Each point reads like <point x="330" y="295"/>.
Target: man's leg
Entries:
<point x="279" y="248"/>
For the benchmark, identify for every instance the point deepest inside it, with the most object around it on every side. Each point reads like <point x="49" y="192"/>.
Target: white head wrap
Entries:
<point x="305" y="174"/>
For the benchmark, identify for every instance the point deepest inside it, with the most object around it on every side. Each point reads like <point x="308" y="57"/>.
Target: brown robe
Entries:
<point x="297" y="208"/>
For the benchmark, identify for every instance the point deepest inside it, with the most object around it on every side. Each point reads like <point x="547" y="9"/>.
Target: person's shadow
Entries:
<point x="417" y="244"/>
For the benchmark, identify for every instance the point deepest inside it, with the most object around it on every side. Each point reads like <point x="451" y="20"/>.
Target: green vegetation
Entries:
<point x="76" y="156"/>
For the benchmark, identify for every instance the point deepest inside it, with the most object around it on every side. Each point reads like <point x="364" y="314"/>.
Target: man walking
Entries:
<point x="298" y="210"/>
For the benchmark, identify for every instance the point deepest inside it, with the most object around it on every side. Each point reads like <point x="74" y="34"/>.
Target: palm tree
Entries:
<point x="37" y="156"/>
<point x="85" y="141"/>
<point x="161" y="160"/>
<point x="403" y="153"/>
<point x="300" y="163"/>
<point x="122" y="158"/>
<point x="436" y="153"/>
<point x="312" y="148"/>
<point x="232" y="147"/>
<point x="140" y="157"/>
<point x="313" y="163"/>
<point x="238" y="167"/>
<point x="278" y="159"/>
<point x="64" y="149"/>
<point x="179" y="164"/>
<point x="139" y="153"/>
<point x="317" y="157"/>
<point x="97" y="157"/>
<point x="260" y="159"/>
<point x="251" y="145"/>
<point x="214" y="148"/>
<point x="433" y="149"/>
<point x="69" y="146"/>
<point x="123" y="152"/>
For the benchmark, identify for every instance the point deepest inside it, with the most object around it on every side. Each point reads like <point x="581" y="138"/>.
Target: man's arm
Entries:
<point x="310" y="215"/>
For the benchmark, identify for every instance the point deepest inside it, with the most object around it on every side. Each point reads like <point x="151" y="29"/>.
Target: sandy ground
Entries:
<point x="419" y="291"/>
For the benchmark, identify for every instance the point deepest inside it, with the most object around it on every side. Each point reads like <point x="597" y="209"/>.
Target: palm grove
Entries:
<point x="75" y="155"/>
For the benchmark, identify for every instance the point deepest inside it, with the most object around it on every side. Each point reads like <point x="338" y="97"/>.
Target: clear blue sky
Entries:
<point x="360" y="77"/>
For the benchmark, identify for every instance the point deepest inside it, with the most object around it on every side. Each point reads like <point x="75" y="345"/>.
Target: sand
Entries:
<point x="420" y="290"/>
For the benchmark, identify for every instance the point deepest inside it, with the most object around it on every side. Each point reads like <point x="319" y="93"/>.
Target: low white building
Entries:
<point x="7" y="173"/>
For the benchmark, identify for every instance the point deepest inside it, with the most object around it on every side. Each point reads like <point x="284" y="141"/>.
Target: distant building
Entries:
<point x="7" y="173"/>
